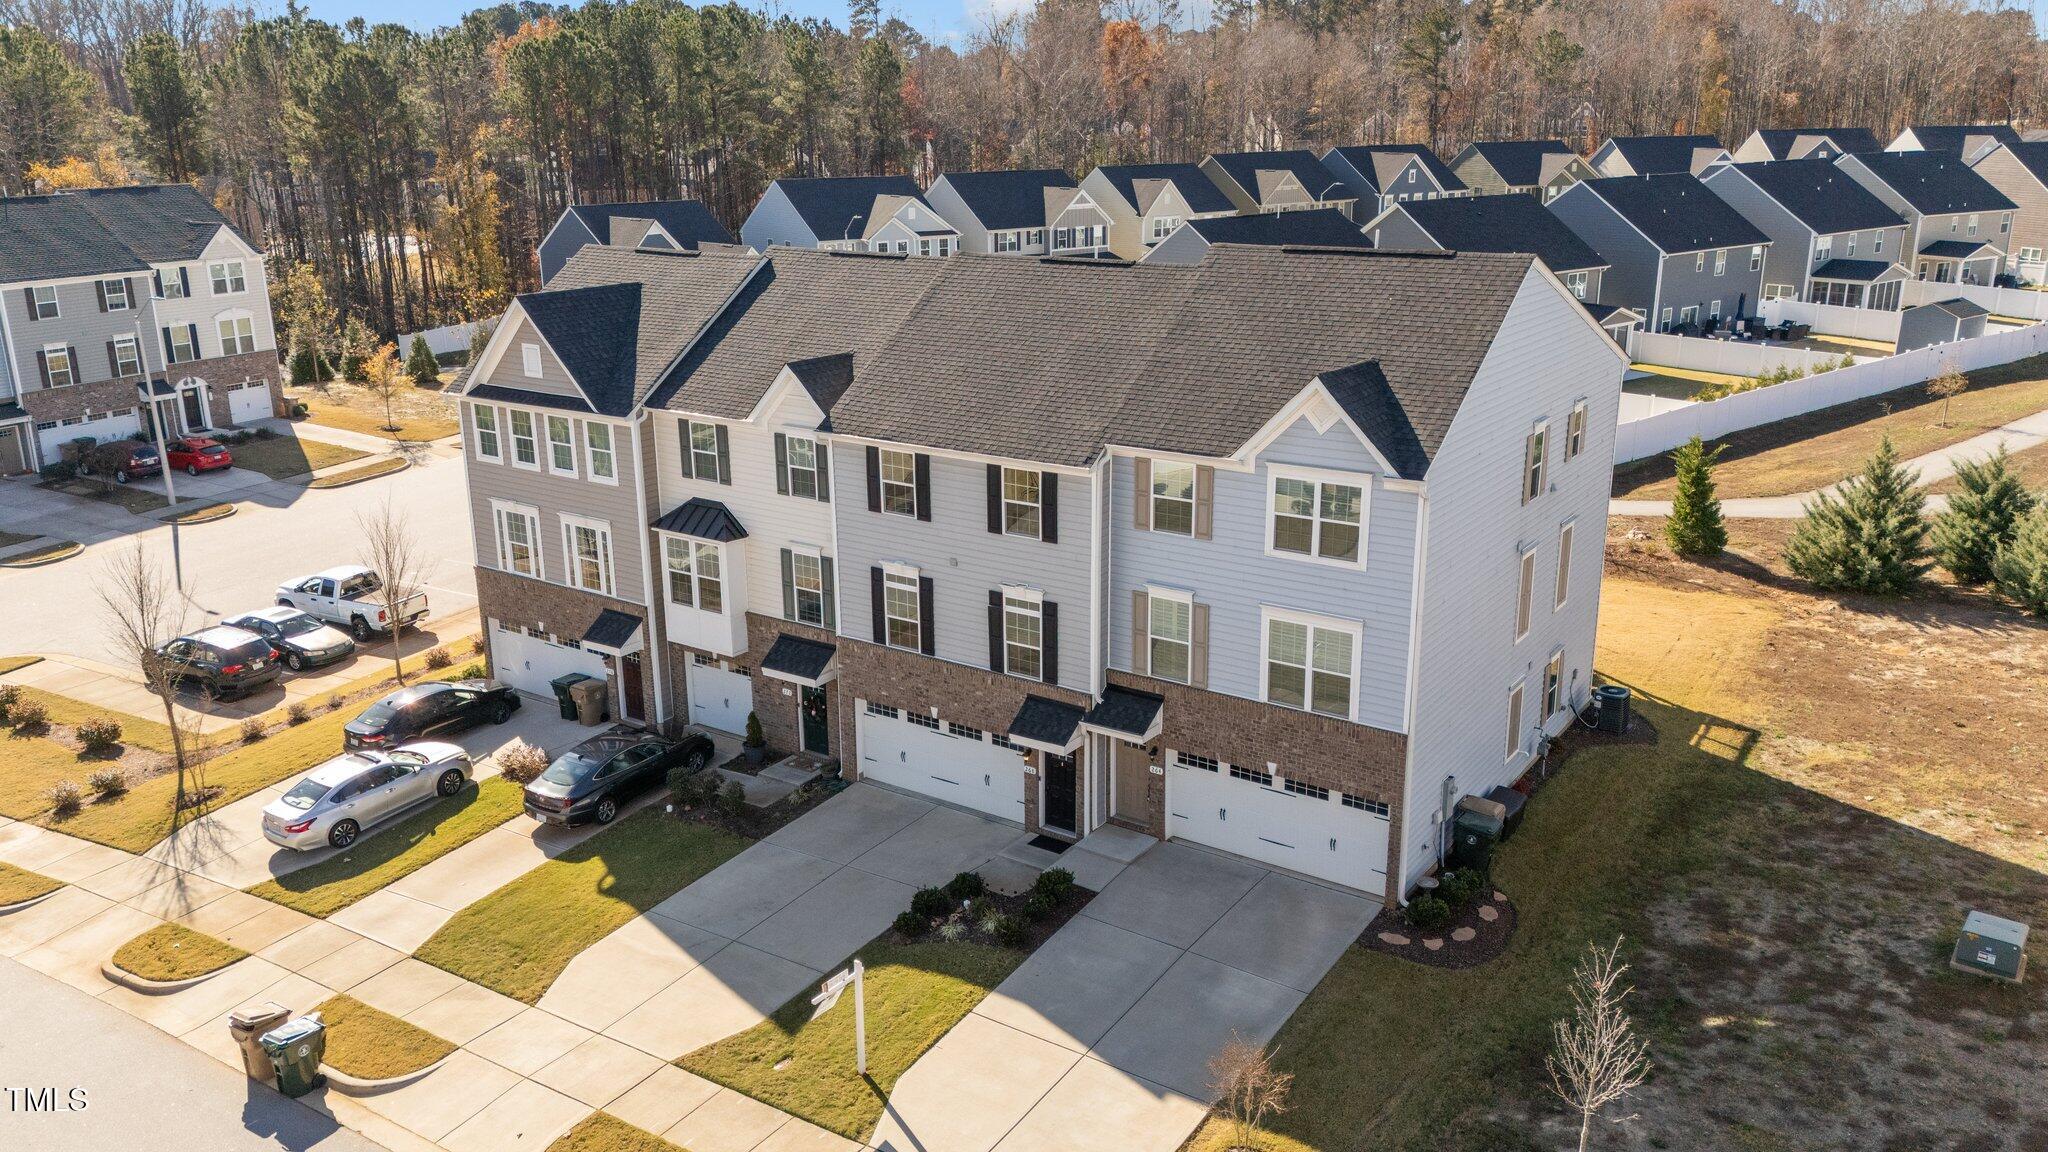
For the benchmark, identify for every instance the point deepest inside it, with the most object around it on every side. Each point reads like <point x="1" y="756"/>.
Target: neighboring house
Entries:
<point x="1032" y="213"/>
<point x="1493" y="224"/>
<point x="650" y="224"/>
<point x="1832" y="241"/>
<point x="1940" y="322"/>
<point x="1804" y="144"/>
<point x="1382" y="175"/>
<point x="2020" y="173"/>
<point x="1657" y="155"/>
<point x="1073" y="543"/>
<point x="1285" y="181"/>
<point x="1315" y="228"/>
<point x="849" y="213"/>
<point x="1969" y="142"/>
<point x="1621" y="324"/>
<point x="1958" y="224"/>
<point x="1676" y="252"/>
<point x="122" y="309"/>
<point x="1540" y="168"/>
<point x="1147" y="202"/>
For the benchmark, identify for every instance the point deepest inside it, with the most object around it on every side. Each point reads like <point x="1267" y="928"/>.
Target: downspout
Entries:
<point x="655" y="639"/>
<point x="1400" y="879"/>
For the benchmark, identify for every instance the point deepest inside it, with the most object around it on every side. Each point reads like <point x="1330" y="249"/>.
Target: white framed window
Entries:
<point x="902" y="617"/>
<point x="1163" y="226"/>
<point x="1535" y="450"/>
<point x="127" y="356"/>
<point x="1714" y="309"/>
<point x="1849" y="247"/>
<point x="597" y="447"/>
<point x="561" y="445"/>
<point x="800" y="466"/>
<point x="1037" y="241"/>
<point x="1514" y="721"/>
<point x="115" y="292"/>
<point x="2030" y="255"/>
<point x="525" y="445"/>
<point x="1689" y="314"/>
<point x="1173" y="497"/>
<point x="1720" y="261"/>
<point x="1024" y="633"/>
<point x="529" y="360"/>
<point x="1576" y="281"/>
<point x="1563" y="590"/>
<point x="1169" y="634"/>
<point x="1022" y="507"/>
<point x="485" y="420"/>
<point x="587" y="546"/>
<point x="180" y="345"/>
<point x="899" y="482"/>
<point x="1525" y="595"/>
<point x="1823" y="248"/>
<point x="170" y="283"/>
<point x="1009" y="242"/>
<point x="807" y="586"/>
<point x="518" y="538"/>
<point x="44" y="299"/>
<point x="1316" y="516"/>
<point x="1575" y="431"/>
<point x="1664" y="320"/>
<point x="1699" y="261"/>
<point x="237" y="335"/>
<point x="1877" y="242"/>
<point x="700" y="440"/>
<point x="1971" y="230"/>
<point x="1311" y="662"/>
<point x="695" y="573"/>
<point x="1779" y="292"/>
<point x="924" y="246"/>
<point x="227" y="277"/>
<point x="1756" y="257"/>
<point x="58" y="369"/>
<point x="2004" y="223"/>
<point x="1553" y="684"/>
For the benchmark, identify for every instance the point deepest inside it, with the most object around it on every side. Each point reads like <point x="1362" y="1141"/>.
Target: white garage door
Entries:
<point x="718" y="698"/>
<point x="1309" y="833"/>
<point x="113" y="426"/>
<point x="950" y="763"/>
<point x="528" y="663"/>
<point x="249" y="401"/>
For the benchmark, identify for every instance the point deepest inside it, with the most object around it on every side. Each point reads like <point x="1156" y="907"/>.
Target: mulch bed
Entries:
<point x="1489" y="937"/>
<point x="1040" y="931"/>
<point x="746" y="767"/>
<point x="756" y="823"/>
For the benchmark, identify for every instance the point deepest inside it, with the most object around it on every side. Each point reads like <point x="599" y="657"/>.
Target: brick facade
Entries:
<point x="777" y="702"/>
<point x="101" y="396"/>
<point x="565" y="613"/>
<point x="222" y="371"/>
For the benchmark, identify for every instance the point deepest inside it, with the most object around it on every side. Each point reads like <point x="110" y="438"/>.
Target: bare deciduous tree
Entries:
<point x="1947" y="386"/>
<point x="144" y="611"/>
<point x="1247" y="1089"/>
<point x="394" y="554"/>
<point x="1596" y="1058"/>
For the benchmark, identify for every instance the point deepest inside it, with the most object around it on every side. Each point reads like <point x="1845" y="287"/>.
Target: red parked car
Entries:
<point x="196" y="454"/>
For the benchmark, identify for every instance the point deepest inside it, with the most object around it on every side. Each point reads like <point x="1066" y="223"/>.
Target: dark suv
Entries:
<point x="223" y="662"/>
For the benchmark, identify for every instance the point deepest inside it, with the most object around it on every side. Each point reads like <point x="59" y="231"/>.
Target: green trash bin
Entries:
<point x="563" y="699"/>
<point x="296" y="1047"/>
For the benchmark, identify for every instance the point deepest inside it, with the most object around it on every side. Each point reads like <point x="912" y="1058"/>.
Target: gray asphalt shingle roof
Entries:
<point x="1779" y="141"/>
<point x="1676" y="212"/>
<point x="1315" y="226"/>
<point x="1949" y="138"/>
<point x="618" y="317"/>
<point x="1244" y="168"/>
<point x="2033" y="156"/>
<point x="796" y="656"/>
<point x="1504" y="224"/>
<point x="830" y="205"/>
<point x="1519" y="162"/>
<point x="1821" y="195"/>
<point x="1004" y="200"/>
<point x="103" y="230"/>
<point x="1934" y="182"/>
<point x="1652" y="155"/>
<point x="688" y="222"/>
<point x="1361" y="157"/>
<point x="1193" y="184"/>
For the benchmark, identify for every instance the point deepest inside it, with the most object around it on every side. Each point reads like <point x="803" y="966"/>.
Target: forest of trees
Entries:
<point x="415" y="173"/>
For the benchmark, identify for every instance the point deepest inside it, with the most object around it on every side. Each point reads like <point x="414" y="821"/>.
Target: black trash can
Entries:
<point x="561" y="685"/>
<point x="1511" y="800"/>
<point x="1473" y="835"/>
<point x="1613" y="717"/>
<point x="296" y="1048"/>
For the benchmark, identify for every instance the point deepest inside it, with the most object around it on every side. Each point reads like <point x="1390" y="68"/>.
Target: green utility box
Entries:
<point x="296" y="1048"/>
<point x="1991" y="946"/>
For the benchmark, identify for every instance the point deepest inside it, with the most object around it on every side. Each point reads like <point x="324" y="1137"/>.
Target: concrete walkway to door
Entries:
<point x="1100" y="1042"/>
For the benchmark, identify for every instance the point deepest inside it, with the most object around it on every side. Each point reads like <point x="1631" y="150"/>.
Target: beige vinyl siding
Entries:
<point x="2030" y="223"/>
<point x="510" y="371"/>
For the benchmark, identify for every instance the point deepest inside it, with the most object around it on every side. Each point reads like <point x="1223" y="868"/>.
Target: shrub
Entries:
<point x="931" y="903"/>
<point x="1428" y="912"/>
<point x="966" y="886"/>
<point x="66" y="798"/>
<point x="980" y="909"/>
<point x="1459" y="886"/>
<point x="420" y="363"/>
<point x="298" y="409"/>
<point x="1870" y="538"/>
<point x="1038" y="905"/>
<point x="474" y="670"/>
<point x="28" y="715"/>
<point x="755" y="739"/>
<point x="909" y="923"/>
<point x="688" y="788"/>
<point x="10" y="695"/>
<point x="520" y="762"/>
<point x="252" y="730"/>
<point x="1011" y="931"/>
<point x="477" y="647"/>
<point x="732" y="799"/>
<point x="1981" y="517"/>
<point x="952" y="931"/>
<point x="1054" y="882"/>
<point x="108" y="782"/>
<point x="2021" y="570"/>
<point x="295" y="712"/>
<point x="334" y="701"/>
<point x="1694" y="527"/>
<point x="439" y="658"/>
<point x="99" y="733"/>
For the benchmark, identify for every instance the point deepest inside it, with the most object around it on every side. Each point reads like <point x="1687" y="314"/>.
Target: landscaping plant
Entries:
<point x="396" y="554"/>
<point x="420" y="363"/>
<point x="1426" y="913"/>
<point x="909" y="923"/>
<point x="295" y="712"/>
<point x="931" y="903"/>
<point x="1054" y="882"/>
<point x="1247" y="1090"/>
<point x="252" y="730"/>
<point x="99" y="733"/>
<point x="521" y="762"/>
<point x="1694" y="527"/>
<point x="144" y="610"/>
<point x="1868" y="538"/>
<point x="1596" y="1058"/>
<point x="1982" y="516"/>
<point x="28" y="715"/>
<point x="732" y="800"/>
<point x="438" y="658"/>
<point x="66" y="798"/>
<point x="108" y="783"/>
<point x="10" y="695"/>
<point x="1946" y="387"/>
<point x="2021" y="569"/>
<point x="755" y="738"/>
<point x="965" y="886"/>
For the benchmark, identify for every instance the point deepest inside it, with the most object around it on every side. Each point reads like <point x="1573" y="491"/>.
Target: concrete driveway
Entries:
<point x="1101" y="1040"/>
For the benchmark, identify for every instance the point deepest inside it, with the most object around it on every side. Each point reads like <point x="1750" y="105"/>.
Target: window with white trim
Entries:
<point x="701" y="440"/>
<point x="45" y="298"/>
<point x="1514" y="721"/>
<point x="561" y="446"/>
<point x="485" y="419"/>
<point x="1971" y="230"/>
<point x="800" y="465"/>
<point x="597" y="444"/>
<point x="57" y="366"/>
<point x="127" y="356"/>
<point x="518" y="538"/>
<point x="180" y="345"/>
<point x="529" y="360"/>
<point x="1192" y="760"/>
<point x="1553" y="684"/>
<point x="1877" y="243"/>
<point x="1720" y="261"/>
<point x="901" y="611"/>
<point x="1699" y="261"/>
<point x="1849" y="245"/>
<point x="1163" y="226"/>
<point x="899" y="482"/>
<point x="2004" y="223"/>
<point x="1023" y="633"/>
<point x="1317" y="518"/>
<point x="588" y="546"/>
<point x="1169" y="634"/>
<point x="227" y="277"/>
<point x="1173" y="497"/>
<point x="694" y="570"/>
<point x="116" y="293"/>
<point x="1564" y="564"/>
<point x="237" y="335"/>
<point x="1756" y="257"/>
<point x="1021" y="503"/>
<point x="1779" y="292"/>
<point x="1309" y="665"/>
<point x="1823" y="249"/>
<point x="807" y="581"/>
<point x="1575" y="431"/>
<point x="525" y="445"/>
<point x="1576" y="282"/>
<point x="1535" y="450"/>
<point x="170" y="283"/>
<point x="2030" y="255"/>
<point x="1009" y="242"/>
<point x="1525" y="598"/>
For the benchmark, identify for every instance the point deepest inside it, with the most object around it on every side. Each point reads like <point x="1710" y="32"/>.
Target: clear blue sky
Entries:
<point x="937" y="19"/>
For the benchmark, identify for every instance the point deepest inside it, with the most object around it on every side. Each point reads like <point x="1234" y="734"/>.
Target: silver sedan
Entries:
<point x="334" y="802"/>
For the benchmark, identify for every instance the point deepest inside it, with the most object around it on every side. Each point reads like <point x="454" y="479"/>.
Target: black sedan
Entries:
<point x="423" y="710"/>
<point x="593" y="780"/>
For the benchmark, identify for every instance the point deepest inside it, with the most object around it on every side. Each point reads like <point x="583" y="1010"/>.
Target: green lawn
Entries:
<point x="174" y="952"/>
<point x="604" y="1132"/>
<point x="398" y="851"/>
<point x="283" y="457"/>
<point x="370" y="471"/>
<point x="18" y="884"/>
<point x="915" y="994"/>
<point x="370" y="1044"/>
<point x="518" y="939"/>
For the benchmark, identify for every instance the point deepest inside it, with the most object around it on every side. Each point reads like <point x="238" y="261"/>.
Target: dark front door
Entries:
<point x="629" y="687"/>
<point x="195" y="412"/>
<point x="1059" y="791"/>
<point x="816" y="733"/>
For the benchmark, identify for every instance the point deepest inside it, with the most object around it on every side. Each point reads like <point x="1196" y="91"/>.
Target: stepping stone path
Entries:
<point x="1462" y="934"/>
<point x="1487" y="913"/>
<point x="1500" y="897"/>
<point x="1394" y="938"/>
<point x="1433" y="943"/>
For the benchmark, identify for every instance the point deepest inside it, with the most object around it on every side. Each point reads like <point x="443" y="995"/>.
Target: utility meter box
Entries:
<point x="1992" y="946"/>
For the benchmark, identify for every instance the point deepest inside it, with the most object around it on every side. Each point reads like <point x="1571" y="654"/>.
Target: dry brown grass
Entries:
<point x="422" y="413"/>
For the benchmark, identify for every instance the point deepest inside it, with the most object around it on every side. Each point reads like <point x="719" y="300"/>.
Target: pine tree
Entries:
<point x="168" y="106"/>
<point x="2021" y="570"/>
<point x="1694" y="527"/>
<point x="420" y="363"/>
<point x="1870" y="536"/>
<point x="1981" y="518"/>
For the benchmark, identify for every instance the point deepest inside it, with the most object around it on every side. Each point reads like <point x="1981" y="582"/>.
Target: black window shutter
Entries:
<point x="71" y="358"/>
<point x="1049" y="665"/>
<point x="928" y="632"/>
<point x="689" y="461"/>
<point x="788" y="585"/>
<point x="781" y="464"/>
<point x="874" y="479"/>
<point x="831" y="593"/>
<point x="167" y="346"/>
<point x="995" y="498"/>
<point x="193" y="331"/>
<point x="184" y="280"/>
<point x="824" y="471"/>
<point x="881" y="619"/>
<point x="995" y="629"/>
<point x="43" y="366"/>
<point x="113" y="360"/>
<point x="135" y="292"/>
<point x="99" y="289"/>
<point x="724" y="457"/>
<point x="1049" y="507"/>
<point x="156" y="280"/>
<point x="29" y="294"/>
<point x="924" y="487"/>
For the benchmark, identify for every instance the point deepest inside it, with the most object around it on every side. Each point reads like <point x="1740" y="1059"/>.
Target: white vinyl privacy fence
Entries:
<point x="444" y="341"/>
<point x="2021" y="303"/>
<point x="1661" y="431"/>
<point x="1732" y="357"/>
<point x="1835" y="320"/>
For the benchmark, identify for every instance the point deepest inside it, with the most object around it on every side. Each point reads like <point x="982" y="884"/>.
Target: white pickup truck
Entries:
<point x="350" y="597"/>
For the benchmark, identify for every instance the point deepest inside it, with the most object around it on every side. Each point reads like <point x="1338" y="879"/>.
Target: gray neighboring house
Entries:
<point x="1804" y="144"/>
<point x="1968" y="142"/>
<point x="1940" y="322"/>
<point x="1381" y="175"/>
<point x="674" y="224"/>
<point x="1315" y="228"/>
<point x="1147" y="202"/>
<point x="1288" y="180"/>
<point x="1493" y="224"/>
<point x="1657" y="155"/>
<point x="1037" y="212"/>
<point x="1958" y="224"/>
<point x="123" y="310"/>
<point x="2020" y="173"/>
<point x="1832" y="241"/>
<point x="1677" y="253"/>
<point x="851" y="214"/>
<point x="1539" y="168"/>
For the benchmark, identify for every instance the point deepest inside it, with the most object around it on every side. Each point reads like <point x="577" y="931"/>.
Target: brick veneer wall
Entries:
<point x="43" y="404"/>
<point x="565" y="612"/>
<point x="222" y="371"/>
<point x="78" y="399"/>
<point x="780" y="719"/>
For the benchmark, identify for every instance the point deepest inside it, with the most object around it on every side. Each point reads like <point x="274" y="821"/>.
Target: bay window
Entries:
<point x="694" y="571"/>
